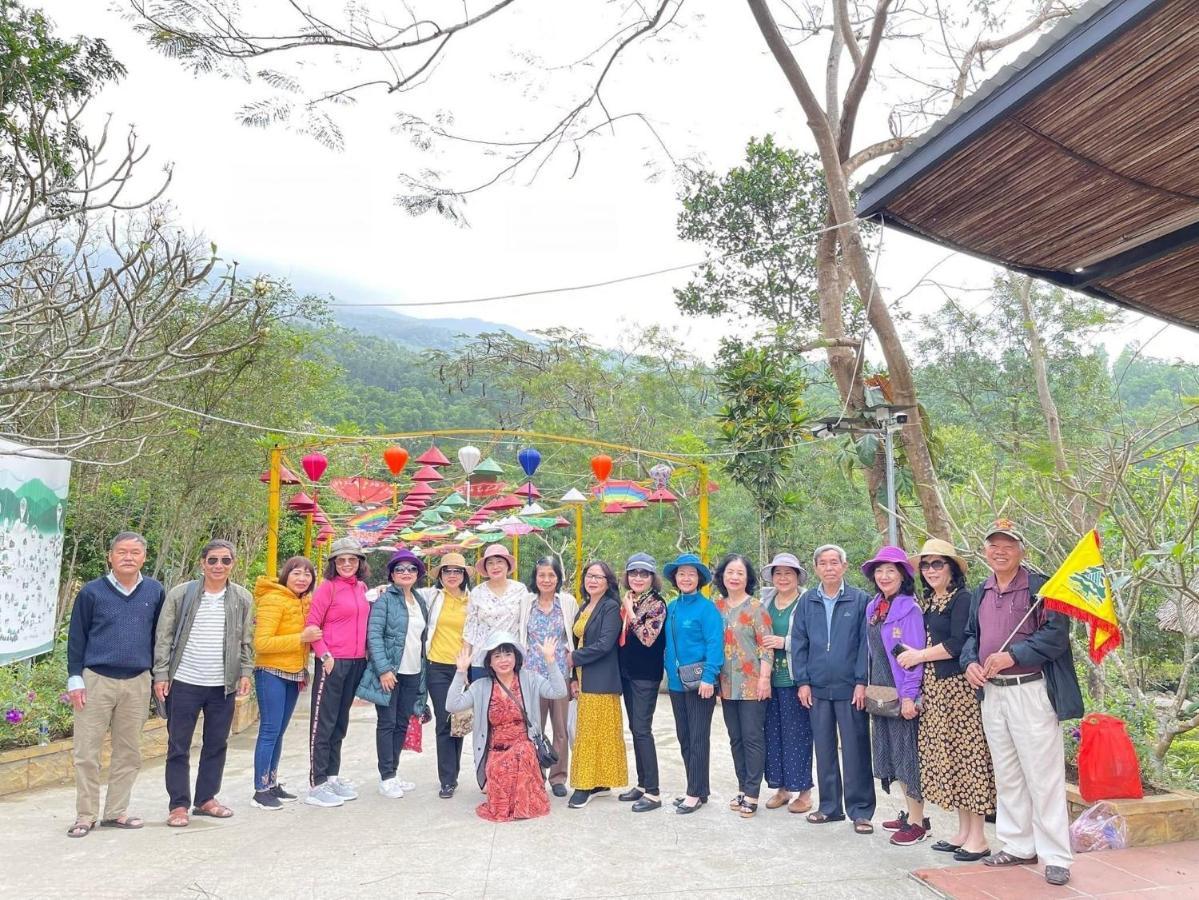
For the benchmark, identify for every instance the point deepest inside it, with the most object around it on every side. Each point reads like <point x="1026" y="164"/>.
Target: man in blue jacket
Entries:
<point x="828" y="659"/>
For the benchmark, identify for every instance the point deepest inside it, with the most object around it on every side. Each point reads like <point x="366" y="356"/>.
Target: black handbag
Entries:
<point x="690" y="674"/>
<point x="546" y="754"/>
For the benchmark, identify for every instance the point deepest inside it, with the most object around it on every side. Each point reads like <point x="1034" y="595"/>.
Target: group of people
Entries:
<point x="884" y="685"/>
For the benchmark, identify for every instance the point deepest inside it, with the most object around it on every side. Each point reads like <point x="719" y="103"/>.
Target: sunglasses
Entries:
<point x="935" y="565"/>
<point x="452" y="570"/>
<point x="405" y="569"/>
<point x="639" y="573"/>
<point x="219" y="560"/>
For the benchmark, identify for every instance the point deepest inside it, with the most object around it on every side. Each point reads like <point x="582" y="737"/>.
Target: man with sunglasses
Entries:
<point x="203" y="656"/>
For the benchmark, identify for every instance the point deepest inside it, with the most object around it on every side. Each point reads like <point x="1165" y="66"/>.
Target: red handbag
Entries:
<point x="412" y="737"/>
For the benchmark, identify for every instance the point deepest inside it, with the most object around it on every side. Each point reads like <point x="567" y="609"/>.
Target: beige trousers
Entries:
<point x="556" y="711"/>
<point x="1025" y="739"/>
<point x="119" y="705"/>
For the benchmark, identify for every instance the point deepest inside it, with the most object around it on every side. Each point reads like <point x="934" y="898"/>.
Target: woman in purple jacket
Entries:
<point x="894" y="620"/>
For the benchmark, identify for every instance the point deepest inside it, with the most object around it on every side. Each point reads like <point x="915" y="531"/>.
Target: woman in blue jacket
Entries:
<point x="394" y="680"/>
<point x="694" y="646"/>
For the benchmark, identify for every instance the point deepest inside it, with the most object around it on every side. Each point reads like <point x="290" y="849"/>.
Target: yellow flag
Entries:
<point x="1081" y="589"/>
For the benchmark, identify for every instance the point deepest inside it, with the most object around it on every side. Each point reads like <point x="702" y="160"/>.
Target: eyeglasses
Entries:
<point x="592" y="577"/>
<point x="935" y="565"/>
<point x="405" y="569"/>
<point x="452" y="570"/>
<point x="219" y="560"/>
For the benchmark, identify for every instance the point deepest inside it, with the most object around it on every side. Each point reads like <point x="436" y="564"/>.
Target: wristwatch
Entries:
<point x="326" y="656"/>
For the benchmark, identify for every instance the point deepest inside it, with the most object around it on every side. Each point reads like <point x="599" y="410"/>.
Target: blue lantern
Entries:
<point x="529" y="460"/>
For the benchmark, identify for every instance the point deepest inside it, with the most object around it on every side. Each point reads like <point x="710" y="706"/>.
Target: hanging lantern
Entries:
<point x="661" y="475"/>
<point x="468" y="458"/>
<point x="529" y="460"/>
<point x="395" y="458"/>
<point x="314" y="465"/>
<point x="602" y="466"/>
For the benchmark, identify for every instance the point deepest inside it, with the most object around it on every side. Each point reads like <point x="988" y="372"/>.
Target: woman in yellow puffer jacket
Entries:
<point x="281" y="668"/>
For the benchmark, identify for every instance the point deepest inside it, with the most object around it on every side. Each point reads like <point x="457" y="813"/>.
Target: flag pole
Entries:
<point x="1031" y="609"/>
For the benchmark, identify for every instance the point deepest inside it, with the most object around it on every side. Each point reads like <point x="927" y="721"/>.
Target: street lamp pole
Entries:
<point x="889" y="452"/>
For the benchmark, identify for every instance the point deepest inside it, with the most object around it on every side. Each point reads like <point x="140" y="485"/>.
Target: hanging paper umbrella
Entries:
<point x="509" y="502"/>
<point x="323" y="535"/>
<point x="427" y="474"/>
<point x="361" y="491"/>
<point x="618" y="491"/>
<point x="661" y="495"/>
<point x="286" y="476"/>
<point x="371" y="520"/>
<point x="420" y="489"/>
<point x="528" y="490"/>
<point x="481" y="489"/>
<point x="532" y="509"/>
<point x="574" y="496"/>
<point x="561" y="522"/>
<point x="529" y="459"/>
<point x="395" y="458"/>
<point x="487" y="470"/>
<point x="314" y="465"/>
<point x="454" y="499"/>
<point x="301" y="503"/>
<point x="612" y="509"/>
<point x="540" y="522"/>
<point x="433" y="457"/>
<point x="602" y="466"/>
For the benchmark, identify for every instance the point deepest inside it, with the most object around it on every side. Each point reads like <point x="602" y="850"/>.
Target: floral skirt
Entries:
<point x="954" y="760"/>
<point x="597" y="758"/>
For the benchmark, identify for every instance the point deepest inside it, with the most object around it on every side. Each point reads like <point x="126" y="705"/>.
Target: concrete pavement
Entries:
<point x="422" y="846"/>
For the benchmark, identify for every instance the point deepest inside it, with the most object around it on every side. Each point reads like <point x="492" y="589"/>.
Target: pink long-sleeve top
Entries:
<point x="340" y="609"/>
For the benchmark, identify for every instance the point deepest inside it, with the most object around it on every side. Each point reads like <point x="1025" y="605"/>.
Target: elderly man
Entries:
<point x="110" y="649"/>
<point x="828" y="664"/>
<point x="1017" y="654"/>
<point x="203" y="653"/>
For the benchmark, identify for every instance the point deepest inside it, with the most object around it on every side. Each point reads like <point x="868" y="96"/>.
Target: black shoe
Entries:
<point x="266" y="800"/>
<point x="684" y="810"/>
<point x="579" y="799"/>
<point x="559" y="790"/>
<point x="1057" y="874"/>
<point x="678" y="801"/>
<point x="646" y="804"/>
<point x="446" y="792"/>
<point x="600" y="791"/>
<point x="946" y="847"/>
<point x="632" y="794"/>
<point x="281" y="794"/>
<point x="967" y="856"/>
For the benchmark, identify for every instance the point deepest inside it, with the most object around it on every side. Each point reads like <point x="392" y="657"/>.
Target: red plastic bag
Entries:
<point x="1107" y="761"/>
<point x="412" y="736"/>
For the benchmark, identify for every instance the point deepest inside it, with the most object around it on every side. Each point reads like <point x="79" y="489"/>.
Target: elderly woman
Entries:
<point x="506" y="701"/>
<point x="280" y="669"/>
<point x="955" y="764"/>
<point x="340" y="609"/>
<point x="495" y="603"/>
<point x="642" y="647"/>
<point x="447" y="601"/>
<point x="788" y="726"/>
<point x="694" y="655"/>
<point x="395" y="679"/>
<point x="745" y="676"/>
<point x="894" y="624"/>
<point x="598" y="760"/>
<point x="549" y="611"/>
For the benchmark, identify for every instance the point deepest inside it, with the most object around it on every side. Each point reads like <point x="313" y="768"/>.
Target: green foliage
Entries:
<point x="33" y="706"/>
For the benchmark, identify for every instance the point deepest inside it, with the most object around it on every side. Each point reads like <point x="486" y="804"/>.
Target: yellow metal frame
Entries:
<point x="275" y="496"/>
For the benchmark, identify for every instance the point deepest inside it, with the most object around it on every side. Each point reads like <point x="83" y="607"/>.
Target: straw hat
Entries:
<point x="450" y="559"/>
<point x="938" y="547"/>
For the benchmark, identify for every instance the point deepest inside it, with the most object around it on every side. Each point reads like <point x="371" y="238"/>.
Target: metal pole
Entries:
<point x="578" y="549"/>
<point x="892" y="519"/>
<point x="274" y="498"/>
<point x="516" y="556"/>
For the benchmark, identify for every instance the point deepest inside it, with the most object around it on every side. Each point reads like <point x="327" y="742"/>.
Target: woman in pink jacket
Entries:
<point x="340" y="609"/>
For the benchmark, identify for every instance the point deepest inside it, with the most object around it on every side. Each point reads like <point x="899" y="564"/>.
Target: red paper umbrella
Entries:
<point x="561" y="523"/>
<point x="602" y="466"/>
<point x="361" y="491"/>
<point x="661" y="495"/>
<point x="321" y="519"/>
<point x="612" y="509"/>
<point x="286" y="476"/>
<point x="301" y="503"/>
<point x="527" y="490"/>
<point x="635" y="504"/>
<point x="481" y="489"/>
<point x="433" y="457"/>
<point x="509" y="502"/>
<point x="420" y="489"/>
<point x="427" y="473"/>
<point x="395" y="458"/>
<point x="323" y="535"/>
<point x="314" y="465"/>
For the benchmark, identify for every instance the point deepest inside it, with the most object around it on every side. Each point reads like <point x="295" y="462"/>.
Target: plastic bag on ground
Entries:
<point x="1099" y="827"/>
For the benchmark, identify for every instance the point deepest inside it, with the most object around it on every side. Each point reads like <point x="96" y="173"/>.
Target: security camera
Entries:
<point x="901" y="418"/>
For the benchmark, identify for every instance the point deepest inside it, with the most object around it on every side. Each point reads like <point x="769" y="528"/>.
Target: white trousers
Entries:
<point x="1025" y="739"/>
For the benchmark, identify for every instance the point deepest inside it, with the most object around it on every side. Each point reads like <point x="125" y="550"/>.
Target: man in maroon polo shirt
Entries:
<point x="1020" y="662"/>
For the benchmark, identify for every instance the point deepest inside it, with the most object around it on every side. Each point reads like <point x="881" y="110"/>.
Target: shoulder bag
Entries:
<point x="690" y="674"/>
<point x="546" y="755"/>
<point x="881" y="700"/>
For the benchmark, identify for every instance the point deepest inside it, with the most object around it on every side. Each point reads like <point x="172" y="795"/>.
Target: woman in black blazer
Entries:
<point x="597" y="759"/>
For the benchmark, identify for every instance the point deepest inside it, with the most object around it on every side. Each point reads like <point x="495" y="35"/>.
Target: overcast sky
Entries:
<point x="282" y="203"/>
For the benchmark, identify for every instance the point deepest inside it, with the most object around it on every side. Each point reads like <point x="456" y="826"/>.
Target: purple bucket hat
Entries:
<point x="405" y="555"/>
<point x="894" y="555"/>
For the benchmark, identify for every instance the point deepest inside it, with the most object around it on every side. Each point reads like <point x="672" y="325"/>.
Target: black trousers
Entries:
<point x="831" y="718"/>
<point x="332" y="697"/>
<point x="746" y="724"/>
<point x="185" y="702"/>
<point x="392" y="726"/>
<point x="693" y="726"/>
<point x="449" y="748"/>
<point x="640" y="701"/>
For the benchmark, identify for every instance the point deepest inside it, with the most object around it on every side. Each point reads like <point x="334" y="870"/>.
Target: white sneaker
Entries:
<point x="406" y="786"/>
<point x="323" y="795"/>
<point x="344" y="789"/>
<point x="391" y="788"/>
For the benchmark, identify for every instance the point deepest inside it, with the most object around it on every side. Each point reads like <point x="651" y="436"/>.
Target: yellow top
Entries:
<point x="447" y="637"/>
<point x="279" y="619"/>
<point x="580" y="626"/>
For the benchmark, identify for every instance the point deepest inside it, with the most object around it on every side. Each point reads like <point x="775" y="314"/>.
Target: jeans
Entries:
<point x="332" y="697"/>
<point x="392" y="725"/>
<point x="449" y="748"/>
<point x="640" y="701"/>
<point x="276" y="702"/>
<point x="185" y="702"/>
<point x="693" y="727"/>
<point x="746" y="721"/>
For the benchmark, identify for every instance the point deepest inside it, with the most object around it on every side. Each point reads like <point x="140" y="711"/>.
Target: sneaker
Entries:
<point x="323" y="795"/>
<point x="406" y="786"/>
<point x="899" y="823"/>
<point x="446" y="792"/>
<point x="579" y="799"/>
<point x="911" y="834"/>
<point x="391" y="788"/>
<point x="343" y="789"/>
<point x="266" y="800"/>
<point x="600" y="791"/>
<point x="279" y="794"/>
<point x="559" y="790"/>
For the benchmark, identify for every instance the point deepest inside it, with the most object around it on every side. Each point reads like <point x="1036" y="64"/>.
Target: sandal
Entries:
<point x="863" y="826"/>
<point x="213" y="809"/>
<point x="748" y="809"/>
<point x="80" y="829"/>
<point x="130" y="822"/>
<point x="178" y="817"/>
<point x="1003" y="858"/>
<point x="735" y="803"/>
<point x="819" y="818"/>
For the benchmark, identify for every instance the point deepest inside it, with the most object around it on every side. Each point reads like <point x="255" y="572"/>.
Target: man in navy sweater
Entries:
<point x="110" y="650"/>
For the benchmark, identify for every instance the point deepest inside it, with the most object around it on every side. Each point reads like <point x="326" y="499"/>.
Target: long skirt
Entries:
<point x="598" y="756"/>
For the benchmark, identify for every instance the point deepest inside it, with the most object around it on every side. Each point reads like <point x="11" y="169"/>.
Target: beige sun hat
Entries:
<point x="450" y="559"/>
<point x="938" y="547"/>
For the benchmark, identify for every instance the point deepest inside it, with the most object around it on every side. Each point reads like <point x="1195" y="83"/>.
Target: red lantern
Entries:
<point x="395" y="458"/>
<point x="602" y="466"/>
<point x="314" y="465"/>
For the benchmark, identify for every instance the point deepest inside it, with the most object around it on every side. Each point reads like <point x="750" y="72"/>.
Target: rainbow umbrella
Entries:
<point x="371" y="520"/>
<point x="616" y="491"/>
